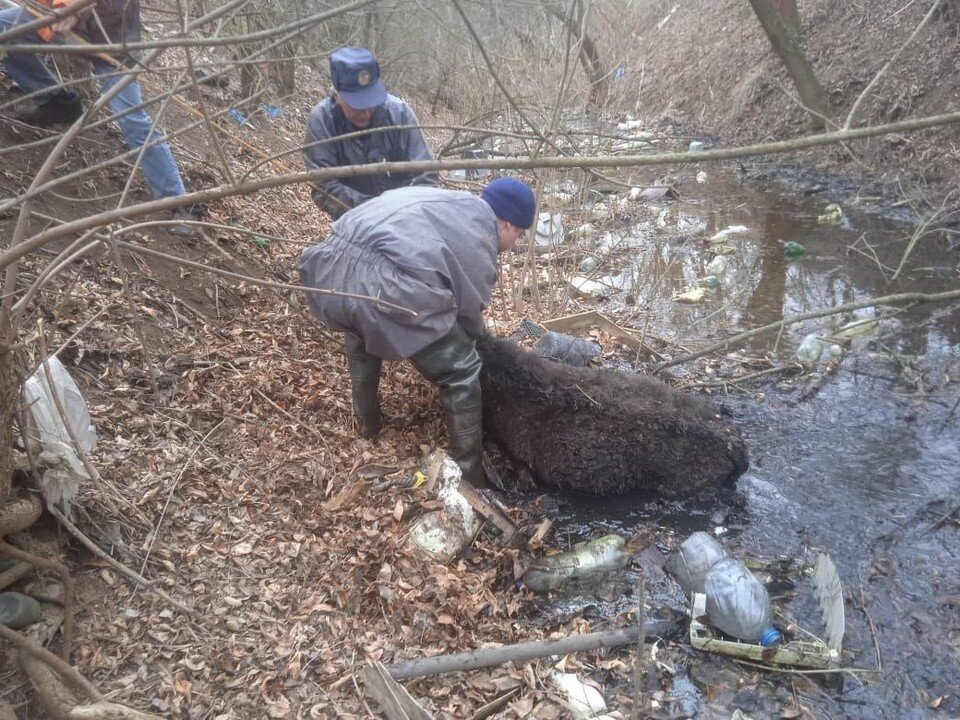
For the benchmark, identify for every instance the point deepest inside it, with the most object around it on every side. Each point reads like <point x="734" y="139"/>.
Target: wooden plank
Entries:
<point x="393" y="698"/>
<point x="594" y="320"/>
<point x="490" y="512"/>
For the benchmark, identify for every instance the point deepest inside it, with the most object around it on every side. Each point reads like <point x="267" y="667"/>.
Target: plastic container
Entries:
<point x="738" y="604"/>
<point x="588" y="561"/>
<point x="693" y="559"/>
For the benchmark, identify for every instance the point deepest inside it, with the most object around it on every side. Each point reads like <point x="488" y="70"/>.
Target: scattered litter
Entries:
<point x="711" y="282"/>
<point x="583" y="232"/>
<point x="588" y="287"/>
<point x="656" y="192"/>
<point x="586" y="562"/>
<point x="724" y="234"/>
<point x="558" y="201"/>
<point x="549" y="230"/>
<point x="832" y="214"/>
<point x="629" y="125"/>
<point x="50" y="430"/>
<point x="793" y="249"/>
<point x="600" y="212"/>
<point x="585" y="702"/>
<point x="695" y="146"/>
<point x="717" y="266"/>
<point x="588" y="264"/>
<point x="701" y="177"/>
<point x="857" y="328"/>
<point x="238" y="116"/>
<point x="442" y="534"/>
<point x="690" y="296"/>
<point x="567" y="349"/>
<point x="813" y="348"/>
<point x="271" y="110"/>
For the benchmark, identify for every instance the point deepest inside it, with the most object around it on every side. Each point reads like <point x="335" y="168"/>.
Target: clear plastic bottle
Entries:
<point x="738" y="604"/>
<point x="693" y="560"/>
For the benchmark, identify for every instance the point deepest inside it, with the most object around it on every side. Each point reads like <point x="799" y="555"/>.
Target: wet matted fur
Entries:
<point x="599" y="432"/>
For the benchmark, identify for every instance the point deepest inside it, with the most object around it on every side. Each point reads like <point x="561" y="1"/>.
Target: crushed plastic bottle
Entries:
<point x="690" y="563"/>
<point x="810" y="349"/>
<point x="587" y="561"/>
<point x="738" y="604"/>
<point x="717" y="266"/>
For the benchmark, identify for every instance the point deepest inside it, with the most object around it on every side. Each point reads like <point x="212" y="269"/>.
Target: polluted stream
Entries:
<point x="864" y="467"/>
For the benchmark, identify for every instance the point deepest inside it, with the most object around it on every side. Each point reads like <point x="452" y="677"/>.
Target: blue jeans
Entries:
<point x="29" y="72"/>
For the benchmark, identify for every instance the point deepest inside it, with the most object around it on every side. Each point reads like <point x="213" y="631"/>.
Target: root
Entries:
<point x="9" y="576"/>
<point x="6" y="711"/>
<point x="68" y="588"/>
<point x="52" y="693"/>
<point x="19" y="514"/>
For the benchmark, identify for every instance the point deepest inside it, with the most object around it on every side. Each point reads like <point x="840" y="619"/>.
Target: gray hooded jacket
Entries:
<point x="328" y="121"/>
<point x="429" y="250"/>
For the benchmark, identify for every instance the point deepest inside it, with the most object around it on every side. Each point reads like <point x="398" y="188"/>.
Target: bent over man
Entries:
<point x="433" y="252"/>
<point x="359" y="101"/>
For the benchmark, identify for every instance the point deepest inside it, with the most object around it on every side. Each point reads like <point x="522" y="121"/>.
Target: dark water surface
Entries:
<point x="863" y="470"/>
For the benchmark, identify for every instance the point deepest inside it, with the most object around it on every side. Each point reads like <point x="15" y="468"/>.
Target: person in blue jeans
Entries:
<point x="115" y="21"/>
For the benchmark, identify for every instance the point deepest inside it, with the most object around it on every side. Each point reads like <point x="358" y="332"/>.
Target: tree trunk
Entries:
<point x="589" y="54"/>
<point x="786" y="43"/>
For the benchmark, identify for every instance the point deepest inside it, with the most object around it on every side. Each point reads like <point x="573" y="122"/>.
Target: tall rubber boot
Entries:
<point x="364" y="382"/>
<point x="452" y="363"/>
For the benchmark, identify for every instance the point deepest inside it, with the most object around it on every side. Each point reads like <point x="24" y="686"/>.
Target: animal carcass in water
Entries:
<point x="603" y="433"/>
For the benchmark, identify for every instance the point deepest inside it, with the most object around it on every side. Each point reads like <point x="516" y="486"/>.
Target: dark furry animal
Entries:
<point x="598" y="432"/>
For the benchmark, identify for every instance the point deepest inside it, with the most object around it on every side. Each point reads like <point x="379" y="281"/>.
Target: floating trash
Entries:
<point x="832" y="214"/>
<point x="717" y="266"/>
<point x="793" y="249"/>
<point x="588" y="264"/>
<point x="726" y="233"/>
<point x="691" y="296"/>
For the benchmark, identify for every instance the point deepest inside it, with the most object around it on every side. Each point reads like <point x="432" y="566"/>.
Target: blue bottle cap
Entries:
<point x="770" y="636"/>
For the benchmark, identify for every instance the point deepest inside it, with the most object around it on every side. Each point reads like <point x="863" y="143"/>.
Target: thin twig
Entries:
<point x="116" y="564"/>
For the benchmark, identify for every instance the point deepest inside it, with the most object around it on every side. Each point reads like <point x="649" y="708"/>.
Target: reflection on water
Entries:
<point x="843" y="472"/>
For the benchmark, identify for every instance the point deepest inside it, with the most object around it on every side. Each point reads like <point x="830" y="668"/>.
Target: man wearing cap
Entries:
<point x="432" y="252"/>
<point x="359" y="101"/>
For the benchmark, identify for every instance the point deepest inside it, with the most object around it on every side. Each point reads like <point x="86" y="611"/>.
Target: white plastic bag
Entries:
<point x="49" y="428"/>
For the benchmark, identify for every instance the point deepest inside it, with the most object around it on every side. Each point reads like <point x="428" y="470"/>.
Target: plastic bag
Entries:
<point x="49" y="428"/>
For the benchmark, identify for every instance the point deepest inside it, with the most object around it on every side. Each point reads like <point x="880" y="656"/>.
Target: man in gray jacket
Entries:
<point x="433" y="252"/>
<point x="359" y="101"/>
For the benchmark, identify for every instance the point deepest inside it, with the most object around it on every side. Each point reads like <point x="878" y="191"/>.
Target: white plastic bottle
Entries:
<point x="738" y="604"/>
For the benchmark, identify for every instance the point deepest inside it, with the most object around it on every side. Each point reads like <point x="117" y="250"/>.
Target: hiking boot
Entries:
<point x="62" y="108"/>
<point x="182" y="216"/>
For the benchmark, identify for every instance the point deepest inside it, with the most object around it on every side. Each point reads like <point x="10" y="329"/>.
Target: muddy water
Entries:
<point x="863" y="470"/>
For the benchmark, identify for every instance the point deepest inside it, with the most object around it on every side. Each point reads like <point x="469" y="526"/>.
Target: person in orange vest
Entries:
<point x="105" y="22"/>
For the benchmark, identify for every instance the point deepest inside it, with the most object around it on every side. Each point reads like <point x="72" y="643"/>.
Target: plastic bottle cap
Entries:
<point x="770" y="636"/>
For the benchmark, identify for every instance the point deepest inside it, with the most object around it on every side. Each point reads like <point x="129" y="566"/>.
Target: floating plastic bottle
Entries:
<point x="693" y="560"/>
<point x="738" y="604"/>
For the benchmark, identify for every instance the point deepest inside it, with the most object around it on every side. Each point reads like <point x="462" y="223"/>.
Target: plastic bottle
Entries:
<point x="693" y="560"/>
<point x="738" y="604"/>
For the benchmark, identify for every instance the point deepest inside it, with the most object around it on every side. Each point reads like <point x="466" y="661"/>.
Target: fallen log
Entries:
<point x="490" y="657"/>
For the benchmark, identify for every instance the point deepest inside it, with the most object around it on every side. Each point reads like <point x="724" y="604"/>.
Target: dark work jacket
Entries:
<point x="428" y="250"/>
<point x="328" y="121"/>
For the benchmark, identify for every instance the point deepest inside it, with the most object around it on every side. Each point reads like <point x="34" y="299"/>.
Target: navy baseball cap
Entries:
<point x="355" y="73"/>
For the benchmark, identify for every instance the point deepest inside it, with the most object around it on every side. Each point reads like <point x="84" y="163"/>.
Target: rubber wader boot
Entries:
<point x="364" y="382"/>
<point x="452" y="363"/>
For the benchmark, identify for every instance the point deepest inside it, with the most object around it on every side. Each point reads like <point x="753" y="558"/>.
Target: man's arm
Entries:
<point x="416" y="147"/>
<point x="331" y="196"/>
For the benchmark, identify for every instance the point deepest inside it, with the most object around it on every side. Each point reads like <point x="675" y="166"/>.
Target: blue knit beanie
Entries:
<point x="511" y="200"/>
